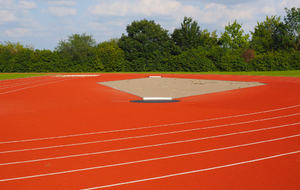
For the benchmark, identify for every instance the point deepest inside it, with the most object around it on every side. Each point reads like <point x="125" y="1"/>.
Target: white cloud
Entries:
<point x="157" y="7"/>
<point x="7" y="16"/>
<point x="6" y="4"/>
<point x="290" y="3"/>
<point x="97" y="26"/>
<point x="143" y="7"/>
<point x="62" y="3"/>
<point x="209" y="14"/>
<point x="60" y="11"/>
<point x="18" y="32"/>
<point x="28" y="4"/>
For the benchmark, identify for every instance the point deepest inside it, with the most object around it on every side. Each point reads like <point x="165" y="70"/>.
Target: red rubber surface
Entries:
<point x="72" y="133"/>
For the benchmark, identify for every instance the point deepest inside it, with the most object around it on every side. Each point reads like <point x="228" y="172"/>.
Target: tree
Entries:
<point x="263" y="37"/>
<point x="145" y="45"/>
<point x="189" y="35"/>
<point x="286" y="36"/>
<point x="77" y="47"/>
<point x="234" y="38"/>
<point x="208" y="39"/>
<point x="292" y="22"/>
<point x="111" y="56"/>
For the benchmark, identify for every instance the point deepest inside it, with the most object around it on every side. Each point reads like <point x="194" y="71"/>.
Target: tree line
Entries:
<point x="275" y="45"/>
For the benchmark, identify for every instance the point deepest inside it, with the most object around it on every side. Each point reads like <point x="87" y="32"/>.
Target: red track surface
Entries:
<point x="72" y="133"/>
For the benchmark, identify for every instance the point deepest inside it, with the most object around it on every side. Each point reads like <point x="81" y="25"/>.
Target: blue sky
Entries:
<point x="44" y="23"/>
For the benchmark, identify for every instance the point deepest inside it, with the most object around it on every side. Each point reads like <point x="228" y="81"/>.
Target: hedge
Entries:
<point x="109" y="57"/>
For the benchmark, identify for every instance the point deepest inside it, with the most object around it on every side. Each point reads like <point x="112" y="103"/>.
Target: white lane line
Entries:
<point x="194" y="171"/>
<point x="151" y="135"/>
<point x="19" y="80"/>
<point x="156" y="145"/>
<point x="138" y="161"/>
<point x="33" y="86"/>
<point x="25" y="83"/>
<point x="23" y="80"/>
<point x="77" y="75"/>
<point x="150" y="127"/>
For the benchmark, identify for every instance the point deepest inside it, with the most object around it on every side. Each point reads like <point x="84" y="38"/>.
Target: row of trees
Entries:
<point x="275" y="45"/>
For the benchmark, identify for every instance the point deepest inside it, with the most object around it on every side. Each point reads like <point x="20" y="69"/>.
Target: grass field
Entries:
<point x="295" y="73"/>
<point x="4" y="76"/>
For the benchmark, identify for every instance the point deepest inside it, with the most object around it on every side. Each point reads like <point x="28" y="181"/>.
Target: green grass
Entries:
<point x="295" y="73"/>
<point x="4" y="76"/>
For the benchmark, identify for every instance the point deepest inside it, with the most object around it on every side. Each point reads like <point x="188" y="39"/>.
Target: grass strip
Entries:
<point x="4" y="76"/>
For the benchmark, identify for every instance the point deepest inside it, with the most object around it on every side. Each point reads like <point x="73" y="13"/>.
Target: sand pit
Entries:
<point x="175" y="87"/>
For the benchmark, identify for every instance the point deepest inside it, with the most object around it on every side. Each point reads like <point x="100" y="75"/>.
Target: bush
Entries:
<point x="231" y="61"/>
<point x="111" y="56"/>
<point x="271" y="61"/>
<point x="194" y="61"/>
<point x="294" y="61"/>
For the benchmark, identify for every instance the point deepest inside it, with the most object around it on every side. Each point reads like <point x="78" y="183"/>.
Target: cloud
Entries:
<point x="62" y="3"/>
<point x="7" y="16"/>
<point x="61" y="8"/>
<point x="28" y="4"/>
<point x="170" y="13"/>
<point x="290" y="3"/>
<point x="174" y="9"/>
<point x="18" y="32"/>
<point x="60" y="11"/>
<point x="142" y="7"/>
<point x="228" y="2"/>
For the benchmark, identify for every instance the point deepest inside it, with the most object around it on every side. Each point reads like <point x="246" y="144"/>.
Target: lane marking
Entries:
<point x="76" y="75"/>
<point x="18" y="80"/>
<point x="151" y="135"/>
<point x="34" y="86"/>
<point x="26" y="83"/>
<point x="149" y="127"/>
<point x="150" y="146"/>
<point x="132" y="162"/>
<point x="194" y="171"/>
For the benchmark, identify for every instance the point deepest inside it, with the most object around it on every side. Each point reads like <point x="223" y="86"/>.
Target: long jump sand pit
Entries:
<point x="175" y="87"/>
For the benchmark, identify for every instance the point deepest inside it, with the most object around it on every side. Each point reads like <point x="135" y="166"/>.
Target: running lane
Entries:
<point x="72" y="133"/>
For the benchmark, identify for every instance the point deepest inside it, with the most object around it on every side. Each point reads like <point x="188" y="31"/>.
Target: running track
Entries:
<point x="72" y="133"/>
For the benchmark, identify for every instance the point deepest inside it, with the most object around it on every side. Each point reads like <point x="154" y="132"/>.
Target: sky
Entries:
<point x="43" y="23"/>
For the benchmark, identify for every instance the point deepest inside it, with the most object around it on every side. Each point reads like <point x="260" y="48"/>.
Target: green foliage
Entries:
<point x="208" y="39"/>
<point x="285" y="35"/>
<point x="234" y="38"/>
<point x="110" y="57"/>
<point x="272" y="61"/>
<point x="146" y="45"/>
<point x="78" y="48"/>
<point x="190" y="36"/>
<point x="264" y="34"/>
<point x="294" y="61"/>
<point x="292" y="21"/>
<point x="194" y="60"/>
<point x="232" y="62"/>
